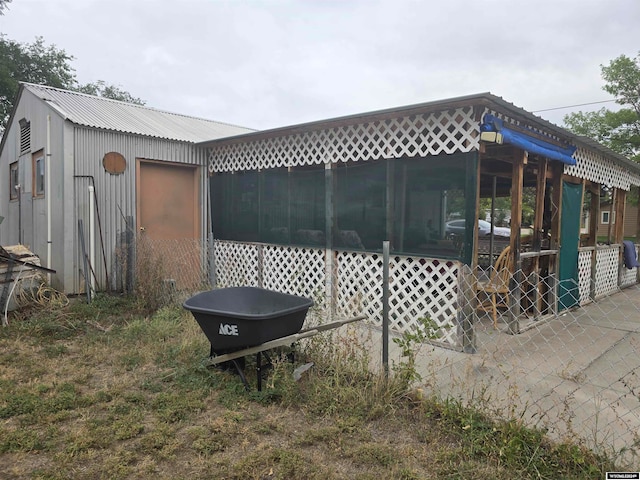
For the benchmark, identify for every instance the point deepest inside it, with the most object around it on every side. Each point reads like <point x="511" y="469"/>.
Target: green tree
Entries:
<point x="34" y="63"/>
<point x="3" y="6"/>
<point x="102" y="89"/>
<point x="620" y="129"/>
<point x="44" y="65"/>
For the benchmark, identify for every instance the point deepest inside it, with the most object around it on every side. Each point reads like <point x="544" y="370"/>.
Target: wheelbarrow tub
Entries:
<point x="238" y="317"/>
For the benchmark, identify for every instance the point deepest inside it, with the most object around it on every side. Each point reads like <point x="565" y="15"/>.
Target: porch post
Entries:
<point x="594" y="213"/>
<point x="621" y="198"/>
<point x="538" y="225"/>
<point x="612" y="209"/>
<point x="594" y="219"/>
<point x="330" y="273"/>
<point x="619" y="229"/>
<point x="556" y="202"/>
<point x="390" y="202"/>
<point x="538" y="219"/>
<point x="517" y="179"/>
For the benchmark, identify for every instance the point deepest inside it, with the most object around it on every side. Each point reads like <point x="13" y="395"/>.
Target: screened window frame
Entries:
<point x="233" y="221"/>
<point x="38" y="174"/>
<point x="327" y="213"/>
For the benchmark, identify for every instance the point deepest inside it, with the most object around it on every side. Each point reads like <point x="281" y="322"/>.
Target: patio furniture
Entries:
<point x="494" y="293"/>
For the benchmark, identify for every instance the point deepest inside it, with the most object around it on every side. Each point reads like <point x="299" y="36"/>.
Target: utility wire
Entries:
<point x="573" y="106"/>
<point x="583" y="104"/>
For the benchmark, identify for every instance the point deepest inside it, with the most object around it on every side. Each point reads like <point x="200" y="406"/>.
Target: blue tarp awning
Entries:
<point x="529" y="143"/>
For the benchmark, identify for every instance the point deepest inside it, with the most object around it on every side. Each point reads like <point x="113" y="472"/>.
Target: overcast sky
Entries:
<point x="264" y="64"/>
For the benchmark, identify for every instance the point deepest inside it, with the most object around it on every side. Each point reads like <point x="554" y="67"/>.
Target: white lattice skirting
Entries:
<point x="585" y="257"/>
<point x="419" y="287"/>
<point x="607" y="262"/>
<point x="605" y="272"/>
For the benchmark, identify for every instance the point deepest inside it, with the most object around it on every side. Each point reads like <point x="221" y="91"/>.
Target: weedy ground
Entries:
<point x="108" y="391"/>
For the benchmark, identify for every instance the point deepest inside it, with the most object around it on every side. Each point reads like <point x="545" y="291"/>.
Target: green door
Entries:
<point x="568" y="290"/>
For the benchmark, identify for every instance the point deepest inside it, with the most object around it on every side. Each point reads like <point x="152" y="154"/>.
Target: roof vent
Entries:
<point x="25" y="136"/>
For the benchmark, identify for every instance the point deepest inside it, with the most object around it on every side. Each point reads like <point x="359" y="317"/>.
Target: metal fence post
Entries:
<point x="330" y="264"/>
<point x="132" y="241"/>
<point x="385" y="306"/>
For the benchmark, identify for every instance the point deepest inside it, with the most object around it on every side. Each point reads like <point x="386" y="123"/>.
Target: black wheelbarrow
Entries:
<point x="241" y="321"/>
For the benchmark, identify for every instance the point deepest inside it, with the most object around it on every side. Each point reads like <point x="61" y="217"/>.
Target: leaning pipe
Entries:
<point x="97" y="211"/>
<point x="92" y="236"/>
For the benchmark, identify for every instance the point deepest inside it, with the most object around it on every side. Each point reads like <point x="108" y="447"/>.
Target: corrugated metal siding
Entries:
<point x="34" y="210"/>
<point x="117" y="193"/>
<point x="103" y="113"/>
<point x="9" y="209"/>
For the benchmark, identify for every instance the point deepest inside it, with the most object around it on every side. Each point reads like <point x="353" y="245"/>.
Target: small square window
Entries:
<point x="607" y="216"/>
<point x="14" y="181"/>
<point x="38" y="174"/>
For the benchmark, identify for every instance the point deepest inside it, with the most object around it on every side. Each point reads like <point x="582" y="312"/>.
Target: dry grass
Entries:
<point x="102" y="391"/>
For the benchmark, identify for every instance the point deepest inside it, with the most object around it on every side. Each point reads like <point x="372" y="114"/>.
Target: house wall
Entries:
<point x="31" y="212"/>
<point x="630" y="221"/>
<point x="76" y="151"/>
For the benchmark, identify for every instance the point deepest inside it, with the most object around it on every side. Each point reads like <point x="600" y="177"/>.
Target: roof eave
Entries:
<point x="349" y="119"/>
<point x="480" y="99"/>
<point x="485" y="99"/>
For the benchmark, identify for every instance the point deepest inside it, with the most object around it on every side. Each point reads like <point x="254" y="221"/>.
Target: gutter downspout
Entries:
<point x="47" y="169"/>
<point x="19" y="190"/>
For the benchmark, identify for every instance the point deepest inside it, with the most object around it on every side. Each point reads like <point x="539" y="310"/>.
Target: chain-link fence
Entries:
<point x="563" y="356"/>
<point x="573" y="370"/>
<point x="162" y="269"/>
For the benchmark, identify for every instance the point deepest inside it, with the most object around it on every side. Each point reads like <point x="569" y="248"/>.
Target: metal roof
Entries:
<point x="448" y="103"/>
<point x="107" y="114"/>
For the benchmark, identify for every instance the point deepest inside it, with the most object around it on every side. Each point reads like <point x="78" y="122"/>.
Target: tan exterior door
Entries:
<point x="168" y="219"/>
<point x="168" y="206"/>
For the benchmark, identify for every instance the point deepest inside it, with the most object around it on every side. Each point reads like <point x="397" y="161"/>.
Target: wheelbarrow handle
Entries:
<point x="279" y="342"/>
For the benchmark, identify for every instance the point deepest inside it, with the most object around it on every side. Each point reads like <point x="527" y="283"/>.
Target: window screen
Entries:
<point x="410" y="202"/>
<point x="38" y="174"/>
<point x="271" y="206"/>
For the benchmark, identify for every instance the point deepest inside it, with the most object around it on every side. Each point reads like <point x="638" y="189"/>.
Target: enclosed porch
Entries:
<point x="306" y="209"/>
